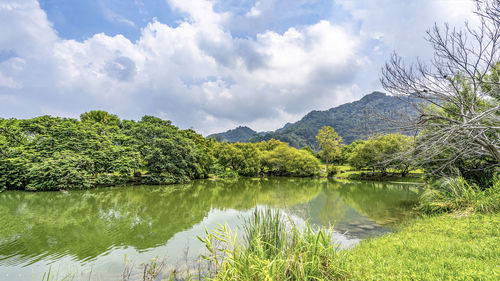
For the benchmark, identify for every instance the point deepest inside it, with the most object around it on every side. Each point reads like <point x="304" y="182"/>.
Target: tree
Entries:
<point x="382" y="152"/>
<point x="457" y="95"/>
<point x="100" y="116"/>
<point x="330" y="142"/>
<point x="284" y="160"/>
<point x="390" y="147"/>
<point x="365" y="155"/>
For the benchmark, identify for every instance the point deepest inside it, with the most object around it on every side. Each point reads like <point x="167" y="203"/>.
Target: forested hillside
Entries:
<point x="240" y="134"/>
<point x="356" y="120"/>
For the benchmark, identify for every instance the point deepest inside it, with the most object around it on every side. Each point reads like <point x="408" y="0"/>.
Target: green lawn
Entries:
<point x="445" y="247"/>
<point x="349" y="172"/>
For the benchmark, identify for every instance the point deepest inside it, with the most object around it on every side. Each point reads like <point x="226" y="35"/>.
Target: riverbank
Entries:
<point x="461" y="243"/>
<point x="444" y="247"/>
<point x="346" y="172"/>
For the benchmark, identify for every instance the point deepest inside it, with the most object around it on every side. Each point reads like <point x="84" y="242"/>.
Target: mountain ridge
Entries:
<point x="355" y="120"/>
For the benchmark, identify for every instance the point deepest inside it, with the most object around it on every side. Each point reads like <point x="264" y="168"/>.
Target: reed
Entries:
<point x="274" y="248"/>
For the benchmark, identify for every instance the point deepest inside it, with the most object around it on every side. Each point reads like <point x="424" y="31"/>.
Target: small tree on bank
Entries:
<point x="329" y="142"/>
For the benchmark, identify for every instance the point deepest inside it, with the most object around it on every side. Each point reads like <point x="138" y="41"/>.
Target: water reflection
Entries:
<point x="143" y="221"/>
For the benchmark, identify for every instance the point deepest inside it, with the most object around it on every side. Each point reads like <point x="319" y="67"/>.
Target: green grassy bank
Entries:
<point x="347" y="172"/>
<point x="445" y="247"/>
<point x="459" y="240"/>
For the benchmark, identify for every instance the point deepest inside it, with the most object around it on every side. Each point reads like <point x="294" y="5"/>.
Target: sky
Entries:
<point x="209" y="65"/>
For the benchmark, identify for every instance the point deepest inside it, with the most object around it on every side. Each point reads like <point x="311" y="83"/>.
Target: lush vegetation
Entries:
<point x="381" y="152"/>
<point x="50" y="153"/>
<point x="272" y="157"/>
<point x="329" y="142"/>
<point x="380" y="157"/>
<point x="457" y="194"/>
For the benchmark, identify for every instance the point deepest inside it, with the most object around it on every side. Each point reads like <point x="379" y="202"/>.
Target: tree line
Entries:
<point x="51" y="153"/>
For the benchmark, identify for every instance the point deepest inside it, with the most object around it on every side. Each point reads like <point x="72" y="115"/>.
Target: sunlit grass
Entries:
<point x="444" y="247"/>
<point x="349" y="172"/>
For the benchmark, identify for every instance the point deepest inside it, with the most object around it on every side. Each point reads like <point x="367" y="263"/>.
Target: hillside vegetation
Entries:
<point x="357" y="120"/>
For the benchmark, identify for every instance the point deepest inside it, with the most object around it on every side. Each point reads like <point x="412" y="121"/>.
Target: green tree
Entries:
<point x="283" y="160"/>
<point x="329" y="142"/>
<point x="99" y="116"/>
<point x="383" y="152"/>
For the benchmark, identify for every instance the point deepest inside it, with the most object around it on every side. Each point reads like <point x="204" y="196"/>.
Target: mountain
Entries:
<point x="240" y="134"/>
<point x="355" y="120"/>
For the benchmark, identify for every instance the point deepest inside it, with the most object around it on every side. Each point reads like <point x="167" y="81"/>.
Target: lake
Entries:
<point x="91" y="232"/>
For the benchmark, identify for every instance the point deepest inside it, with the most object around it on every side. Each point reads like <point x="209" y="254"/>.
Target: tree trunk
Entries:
<point x="405" y="171"/>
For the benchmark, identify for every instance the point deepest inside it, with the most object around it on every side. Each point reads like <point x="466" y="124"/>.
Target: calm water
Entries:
<point x="90" y="232"/>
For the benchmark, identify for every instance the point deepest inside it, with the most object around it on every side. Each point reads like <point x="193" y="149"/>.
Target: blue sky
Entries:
<point x="74" y="19"/>
<point x="206" y="64"/>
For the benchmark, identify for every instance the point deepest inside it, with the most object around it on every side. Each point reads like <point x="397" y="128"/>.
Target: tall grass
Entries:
<point x="273" y="248"/>
<point x="457" y="194"/>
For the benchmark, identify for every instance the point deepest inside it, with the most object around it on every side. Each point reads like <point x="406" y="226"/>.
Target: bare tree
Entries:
<point x="457" y="94"/>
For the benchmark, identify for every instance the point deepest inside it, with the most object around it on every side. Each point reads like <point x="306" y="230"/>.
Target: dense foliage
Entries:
<point x="458" y="194"/>
<point x="381" y="152"/>
<point x="51" y="153"/>
<point x="272" y="157"/>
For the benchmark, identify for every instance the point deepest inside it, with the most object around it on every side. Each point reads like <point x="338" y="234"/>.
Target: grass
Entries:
<point x="445" y="247"/>
<point x="349" y="172"/>
<point x="463" y="244"/>
<point x="273" y="248"/>
<point x="51" y="275"/>
<point x="456" y="194"/>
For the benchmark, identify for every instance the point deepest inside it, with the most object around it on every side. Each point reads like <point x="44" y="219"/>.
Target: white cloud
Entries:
<point x="255" y="11"/>
<point x="401" y="25"/>
<point x="197" y="73"/>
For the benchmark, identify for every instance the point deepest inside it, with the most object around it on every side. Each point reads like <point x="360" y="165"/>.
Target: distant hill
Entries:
<point x="240" y="134"/>
<point x="356" y="120"/>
